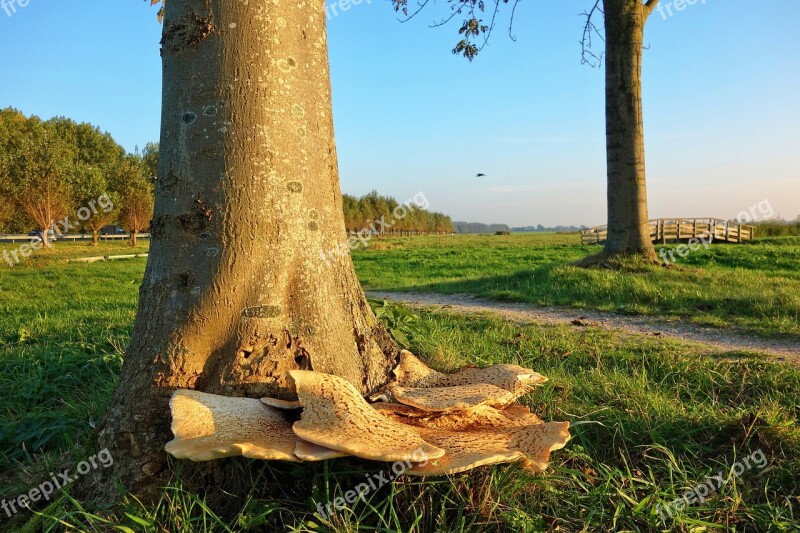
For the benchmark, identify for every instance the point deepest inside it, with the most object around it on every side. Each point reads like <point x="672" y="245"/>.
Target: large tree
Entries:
<point x="55" y="169"/>
<point x="6" y="207"/>
<point x="150" y="160"/>
<point x="628" y="227"/>
<point x="235" y="292"/>
<point x="135" y="198"/>
<point x="93" y="192"/>
<point x="624" y="21"/>
<point x="42" y="191"/>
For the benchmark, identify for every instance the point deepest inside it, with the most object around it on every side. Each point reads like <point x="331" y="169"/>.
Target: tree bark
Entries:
<point x="235" y="292"/>
<point x="95" y="237"/>
<point x="628" y="231"/>
<point x="133" y="236"/>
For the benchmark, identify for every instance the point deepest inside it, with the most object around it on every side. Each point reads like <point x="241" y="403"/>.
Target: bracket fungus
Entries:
<point x="411" y="372"/>
<point x="457" y="398"/>
<point x="208" y="427"/>
<point x="336" y="416"/>
<point x="442" y="423"/>
<point x="470" y="449"/>
<point x="282" y="404"/>
<point x="514" y="415"/>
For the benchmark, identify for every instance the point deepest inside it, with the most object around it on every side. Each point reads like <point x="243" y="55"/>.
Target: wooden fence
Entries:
<point x="664" y="230"/>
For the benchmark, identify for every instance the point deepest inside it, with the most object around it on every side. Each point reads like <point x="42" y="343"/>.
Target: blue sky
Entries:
<point x="721" y="85"/>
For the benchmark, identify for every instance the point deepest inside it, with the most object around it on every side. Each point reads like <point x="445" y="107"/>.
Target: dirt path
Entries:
<point x="717" y="339"/>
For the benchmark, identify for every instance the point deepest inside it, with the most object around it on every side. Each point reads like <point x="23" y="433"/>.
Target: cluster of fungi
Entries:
<point x="442" y="424"/>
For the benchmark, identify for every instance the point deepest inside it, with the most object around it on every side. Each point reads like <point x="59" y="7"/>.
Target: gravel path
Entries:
<point x="717" y="339"/>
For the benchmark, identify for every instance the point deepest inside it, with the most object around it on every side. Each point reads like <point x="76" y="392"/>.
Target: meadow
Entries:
<point x="754" y="287"/>
<point x="651" y="418"/>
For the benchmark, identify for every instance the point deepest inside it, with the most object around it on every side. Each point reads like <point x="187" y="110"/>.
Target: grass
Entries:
<point x="651" y="419"/>
<point x="753" y="287"/>
<point x="61" y="251"/>
<point x="775" y="228"/>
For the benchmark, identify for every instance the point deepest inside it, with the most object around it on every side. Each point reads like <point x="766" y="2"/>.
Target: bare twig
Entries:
<point x="588" y="57"/>
<point x="511" y="21"/>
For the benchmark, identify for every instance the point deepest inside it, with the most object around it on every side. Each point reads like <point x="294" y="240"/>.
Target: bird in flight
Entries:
<point x="480" y="175"/>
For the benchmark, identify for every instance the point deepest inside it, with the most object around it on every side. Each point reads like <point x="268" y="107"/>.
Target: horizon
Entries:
<point x="405" y="122"/>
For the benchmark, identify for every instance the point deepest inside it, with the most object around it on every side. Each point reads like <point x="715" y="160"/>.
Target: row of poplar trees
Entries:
<point x="52" y="170"/>
<point x="361" y="213"/>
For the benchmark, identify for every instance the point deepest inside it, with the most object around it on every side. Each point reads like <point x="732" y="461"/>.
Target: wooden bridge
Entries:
<point x="663" y="230"/>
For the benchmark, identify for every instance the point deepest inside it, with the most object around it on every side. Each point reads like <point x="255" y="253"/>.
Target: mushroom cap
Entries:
<point x="470" y="449"/>
<point x="282" y="404"/>
<point x="399" y="411"/>
<point x="411" y="372"/>
<point x="537" y="445"/>
<point x="455" y="398"/>
<point x="208" y="427"/>
<point x="336" y="416"/>
<point x="465" y="451"/>
<point x="481" y="417"/>
<point x="509" y="377"/>
<point x="307" y="451"/>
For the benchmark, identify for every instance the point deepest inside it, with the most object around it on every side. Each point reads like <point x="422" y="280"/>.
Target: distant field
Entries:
<point x="68" y="250"/>
<point x="754" y="287"/>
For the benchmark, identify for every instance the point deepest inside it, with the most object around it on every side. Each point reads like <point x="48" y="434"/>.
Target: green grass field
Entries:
<point x="754" y="287"/>
<point x="651" y="419"/>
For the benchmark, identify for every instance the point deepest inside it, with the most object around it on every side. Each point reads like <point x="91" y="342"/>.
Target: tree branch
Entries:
<point x="589" y="30"/>
<point x="511" y="21"/>
<point x="649" y="6"/>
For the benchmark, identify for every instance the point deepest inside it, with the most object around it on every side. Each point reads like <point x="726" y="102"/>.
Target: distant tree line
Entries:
<point x="777" y="228"/>
<point x="552" y="229"/>
<point x="477" y="227"/>
<point x="386" y="215"/>
<point x="60" y="175"/>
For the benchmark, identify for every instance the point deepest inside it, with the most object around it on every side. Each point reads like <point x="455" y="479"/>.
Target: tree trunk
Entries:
<point x="46" y="239"/>
<point x="95" y="237"/>
<point x="235" y="292"/>
<point x="133" y="236"/>
<point x="628" y="231"/>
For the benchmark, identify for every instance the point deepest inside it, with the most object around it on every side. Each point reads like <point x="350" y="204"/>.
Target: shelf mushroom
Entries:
<point x="411" y="372"/>
<point x="470" y="449"/>
<point x="336" y="416"/>
<point x="440" y="424"/>
<point x="457" y="398"/>
<point x="208" y="427"/>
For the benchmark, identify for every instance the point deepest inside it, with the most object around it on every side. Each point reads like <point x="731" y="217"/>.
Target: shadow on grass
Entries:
<point x="687" y="294"/>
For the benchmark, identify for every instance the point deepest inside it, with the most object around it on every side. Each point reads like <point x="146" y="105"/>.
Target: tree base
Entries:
<point x="631" y="262"/>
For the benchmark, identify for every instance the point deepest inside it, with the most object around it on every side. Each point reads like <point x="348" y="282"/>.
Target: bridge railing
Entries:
<point x="663" y="230"/>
